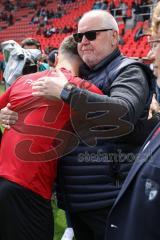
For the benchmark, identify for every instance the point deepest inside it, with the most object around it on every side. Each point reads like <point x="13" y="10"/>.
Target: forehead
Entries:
<point x="29" y="46"/>
<point x="90" y="23"/>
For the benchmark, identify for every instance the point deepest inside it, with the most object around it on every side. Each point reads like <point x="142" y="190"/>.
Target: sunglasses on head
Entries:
<point x="90" y="35"/>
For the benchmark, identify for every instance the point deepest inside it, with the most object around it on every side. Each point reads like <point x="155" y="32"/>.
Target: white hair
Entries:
<point x="107" y="19"/>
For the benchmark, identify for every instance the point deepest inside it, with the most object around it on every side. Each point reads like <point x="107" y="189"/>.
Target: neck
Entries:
<point x="69" y="66"/>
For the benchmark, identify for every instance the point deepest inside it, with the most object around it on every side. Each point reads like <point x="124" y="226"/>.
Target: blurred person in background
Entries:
<point x="31" y="43"/>
<point x="155" y="35"/>
<point x="138" y="201"/>
<point x="135" y="213"/>
<point x="21" y="59"/>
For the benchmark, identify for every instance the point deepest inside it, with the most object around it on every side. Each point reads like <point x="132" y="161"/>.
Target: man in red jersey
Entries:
<point x="28" y="159"/>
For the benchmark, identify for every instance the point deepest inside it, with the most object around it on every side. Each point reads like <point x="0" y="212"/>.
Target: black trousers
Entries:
<point x="89" y="225"/>
<point x="24" y="215"/>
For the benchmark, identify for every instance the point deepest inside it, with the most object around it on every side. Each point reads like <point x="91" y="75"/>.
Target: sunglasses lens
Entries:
<point x="91" y="35"/>
<point x="78" y="37"/>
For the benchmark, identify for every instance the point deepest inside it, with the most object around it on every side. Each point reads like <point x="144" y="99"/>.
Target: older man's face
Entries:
<point x="93" y="51"/>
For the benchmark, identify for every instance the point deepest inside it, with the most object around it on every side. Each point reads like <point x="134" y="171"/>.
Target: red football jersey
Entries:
<point x="27" y="155"/>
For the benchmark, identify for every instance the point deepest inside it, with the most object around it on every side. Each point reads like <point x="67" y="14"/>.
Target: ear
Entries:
<point x="114" y="41"/>
<point x="56" y="60"/>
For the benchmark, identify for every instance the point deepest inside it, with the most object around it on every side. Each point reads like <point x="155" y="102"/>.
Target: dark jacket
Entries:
<point x="91" y="176"/>
<point x="135" y="214"/>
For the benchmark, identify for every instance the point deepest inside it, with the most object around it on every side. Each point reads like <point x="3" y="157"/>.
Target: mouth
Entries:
<point x="87" y="50"/>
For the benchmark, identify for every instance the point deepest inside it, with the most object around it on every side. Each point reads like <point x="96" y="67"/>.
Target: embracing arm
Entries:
<point x="7" y="116"/>
<point x="130" y="89"/>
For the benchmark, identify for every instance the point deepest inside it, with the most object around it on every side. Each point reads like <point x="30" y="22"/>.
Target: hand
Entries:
<point x="8" y="117"/>
<point x="49" y="86"/>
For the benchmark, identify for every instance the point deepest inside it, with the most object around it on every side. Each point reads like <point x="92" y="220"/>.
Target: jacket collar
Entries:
<point x="85" y="70"/>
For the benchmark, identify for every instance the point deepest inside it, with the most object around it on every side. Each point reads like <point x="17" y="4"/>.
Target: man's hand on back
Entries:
<point x="8" y="117"/>
<point x="49" y="86"/>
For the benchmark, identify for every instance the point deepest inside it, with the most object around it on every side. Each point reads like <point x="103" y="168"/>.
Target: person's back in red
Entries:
<point x="27" y="154"/>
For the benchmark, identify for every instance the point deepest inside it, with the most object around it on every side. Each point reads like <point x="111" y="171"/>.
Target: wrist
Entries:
<point x="67" y="91"/>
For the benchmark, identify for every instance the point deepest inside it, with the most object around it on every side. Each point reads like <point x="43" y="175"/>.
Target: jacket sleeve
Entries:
<point x="130" y="89"/>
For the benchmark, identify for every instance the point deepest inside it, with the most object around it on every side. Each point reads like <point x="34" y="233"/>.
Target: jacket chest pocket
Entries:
<point x="151" y="178"/>
<point x="150" y="208"/>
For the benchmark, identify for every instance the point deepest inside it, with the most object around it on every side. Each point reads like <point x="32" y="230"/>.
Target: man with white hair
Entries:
<point x="91" y="176"/>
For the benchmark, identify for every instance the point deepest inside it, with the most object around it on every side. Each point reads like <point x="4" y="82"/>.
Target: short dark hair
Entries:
<point x="30" y="42"/>
<point x="69" y="46"/>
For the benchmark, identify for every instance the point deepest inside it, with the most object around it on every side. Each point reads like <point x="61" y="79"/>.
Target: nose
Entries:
<point x="84" y="39"/>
